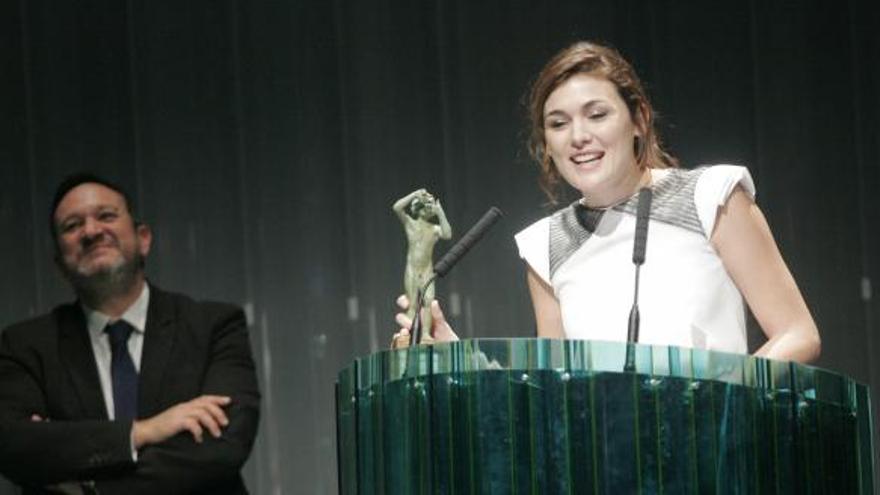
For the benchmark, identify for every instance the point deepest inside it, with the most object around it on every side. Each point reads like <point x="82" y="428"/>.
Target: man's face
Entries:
<point x="96" y="234"/>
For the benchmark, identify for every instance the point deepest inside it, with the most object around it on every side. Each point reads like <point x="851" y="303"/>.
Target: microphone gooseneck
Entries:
<point x="640" y="242"/>
<point x="415" y="331"/>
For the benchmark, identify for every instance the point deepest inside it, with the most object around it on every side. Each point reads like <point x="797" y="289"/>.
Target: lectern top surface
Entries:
<point x="572" y="358"/>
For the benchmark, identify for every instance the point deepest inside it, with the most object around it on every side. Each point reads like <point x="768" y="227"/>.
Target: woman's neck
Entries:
<point x="642" y="178"/>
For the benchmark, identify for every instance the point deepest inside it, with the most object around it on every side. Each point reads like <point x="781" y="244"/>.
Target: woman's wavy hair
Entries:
<point x="596" y="60"/>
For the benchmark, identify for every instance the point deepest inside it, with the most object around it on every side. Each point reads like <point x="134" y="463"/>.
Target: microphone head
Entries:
<point x="643" y="208"/>
<point x="643" y="212"/>
<point x="464" y="244"/>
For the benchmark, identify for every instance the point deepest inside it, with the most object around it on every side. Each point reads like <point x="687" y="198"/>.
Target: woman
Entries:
<point x="709" y="247"/>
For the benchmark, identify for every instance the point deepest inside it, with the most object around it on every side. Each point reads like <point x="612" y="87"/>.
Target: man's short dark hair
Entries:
<point x="78" y="179"/>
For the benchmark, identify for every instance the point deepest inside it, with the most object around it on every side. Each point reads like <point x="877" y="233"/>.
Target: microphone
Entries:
<point x="640" y="243"/>
<point x="467" y="241"/>
<point x="643" y="210"/>
<point x="442" y="267"/>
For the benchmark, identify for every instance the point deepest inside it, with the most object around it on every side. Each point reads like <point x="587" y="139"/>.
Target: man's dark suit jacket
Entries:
<point x="47" y="367"/>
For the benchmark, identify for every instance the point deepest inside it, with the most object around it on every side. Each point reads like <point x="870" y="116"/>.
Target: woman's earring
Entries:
<point x="638" y="147"/>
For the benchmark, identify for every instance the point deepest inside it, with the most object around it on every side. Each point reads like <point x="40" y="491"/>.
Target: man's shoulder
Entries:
<point x="188" y="308"/>
<point x="44" y="326"/>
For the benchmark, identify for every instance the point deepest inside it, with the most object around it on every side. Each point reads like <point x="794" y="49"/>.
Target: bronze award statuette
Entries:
<point x="424" y="222"/>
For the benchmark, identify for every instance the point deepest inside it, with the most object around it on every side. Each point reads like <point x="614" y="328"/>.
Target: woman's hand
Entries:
<point x="441" y="331"/>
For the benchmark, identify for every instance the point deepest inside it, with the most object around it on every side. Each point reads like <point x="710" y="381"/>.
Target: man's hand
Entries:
<point x="205" y="412"/>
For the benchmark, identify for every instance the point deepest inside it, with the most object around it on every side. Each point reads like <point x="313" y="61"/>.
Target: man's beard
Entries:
<point x="106" y="282"/>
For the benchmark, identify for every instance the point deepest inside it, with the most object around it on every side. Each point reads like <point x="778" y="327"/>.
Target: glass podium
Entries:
<point x="539" y="416"/>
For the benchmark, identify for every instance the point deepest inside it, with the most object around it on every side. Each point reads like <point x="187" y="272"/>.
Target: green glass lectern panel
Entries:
<point x="537" y="416"/>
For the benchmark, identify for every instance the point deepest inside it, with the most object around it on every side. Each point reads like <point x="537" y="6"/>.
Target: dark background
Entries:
<point x="265" y="142"/>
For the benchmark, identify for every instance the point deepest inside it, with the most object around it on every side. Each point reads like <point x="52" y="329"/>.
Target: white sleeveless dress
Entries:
<point x="686" y="297"/>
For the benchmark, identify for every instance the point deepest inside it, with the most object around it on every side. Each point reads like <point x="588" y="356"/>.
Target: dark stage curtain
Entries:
<point x="265" y="142"/>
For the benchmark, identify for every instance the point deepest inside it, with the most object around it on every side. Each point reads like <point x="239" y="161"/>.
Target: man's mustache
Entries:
<point x="99" y="241"/>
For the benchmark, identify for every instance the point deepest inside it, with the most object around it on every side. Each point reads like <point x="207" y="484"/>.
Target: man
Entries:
<point x="129" y="389"/>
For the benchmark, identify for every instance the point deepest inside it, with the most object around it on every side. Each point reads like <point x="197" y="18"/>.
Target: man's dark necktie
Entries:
<point x="122" y="372"/>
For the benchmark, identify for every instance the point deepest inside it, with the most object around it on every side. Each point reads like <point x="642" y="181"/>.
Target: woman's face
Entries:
<point x="589" y="134"/>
